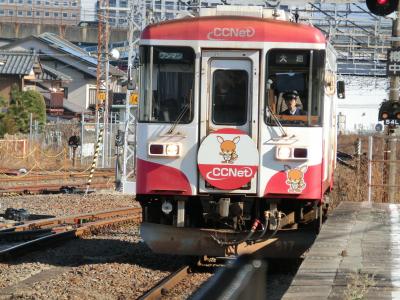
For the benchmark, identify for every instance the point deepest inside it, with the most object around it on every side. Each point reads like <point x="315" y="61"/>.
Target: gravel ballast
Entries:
<point x="113" y="264"/>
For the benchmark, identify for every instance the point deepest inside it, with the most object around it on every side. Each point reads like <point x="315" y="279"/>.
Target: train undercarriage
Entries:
<point x="223" y="225"/>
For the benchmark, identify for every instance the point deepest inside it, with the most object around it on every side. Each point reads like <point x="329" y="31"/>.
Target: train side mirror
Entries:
<point x="341" y="89"/>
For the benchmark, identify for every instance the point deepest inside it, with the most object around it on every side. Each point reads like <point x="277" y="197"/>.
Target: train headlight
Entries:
<point x="291" y="153"/>
<point x="172" y="150"/>
<point x="164" y="149"/>
<point x="283" y="152"/>
<point x="385" y="115"/>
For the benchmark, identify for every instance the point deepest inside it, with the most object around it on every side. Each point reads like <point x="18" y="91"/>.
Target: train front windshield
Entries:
<point x="166" y="82"/>
<point x="297" y="75"/>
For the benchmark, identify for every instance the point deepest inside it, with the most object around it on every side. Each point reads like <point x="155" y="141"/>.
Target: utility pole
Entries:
<point x="102" y="83"/>
<point x="391" y="141"/>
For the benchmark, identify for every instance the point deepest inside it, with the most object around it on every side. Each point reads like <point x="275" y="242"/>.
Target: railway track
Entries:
<point x="36" y="177"/>
<point x="167" y="284"/>
<point x="171" y="282"/>
<point x="40" y="233"/>
<point x="43" y="188"/>
<point x="42" y="182"/>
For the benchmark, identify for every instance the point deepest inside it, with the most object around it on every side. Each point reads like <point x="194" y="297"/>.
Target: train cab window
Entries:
<point x="294" y="87"/>
<point x="229" y="99"/>
<point x="166" y="84"/>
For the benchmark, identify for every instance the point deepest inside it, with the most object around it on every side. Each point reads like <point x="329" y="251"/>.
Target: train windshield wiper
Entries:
<point x="284" y="134"/>
<point x="179" y="118"/>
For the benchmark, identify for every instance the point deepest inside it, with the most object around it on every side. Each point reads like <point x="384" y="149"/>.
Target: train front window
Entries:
<point x="166" y="83"/>
<point x="295" y="87"/>
<point x="229" y="99"/>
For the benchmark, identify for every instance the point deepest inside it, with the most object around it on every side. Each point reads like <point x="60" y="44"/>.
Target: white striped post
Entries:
<point x="94" y="163"/>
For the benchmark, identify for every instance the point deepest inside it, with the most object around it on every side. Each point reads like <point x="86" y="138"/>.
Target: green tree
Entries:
<point x="4" y="121"/>
<point x="22" y="104"/>
<point x="7" y="125"/>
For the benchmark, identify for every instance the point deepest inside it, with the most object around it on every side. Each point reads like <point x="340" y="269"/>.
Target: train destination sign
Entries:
<point x="393" y="62"/>
<point x="228" y="159"/>
<point x="290" y="59"/>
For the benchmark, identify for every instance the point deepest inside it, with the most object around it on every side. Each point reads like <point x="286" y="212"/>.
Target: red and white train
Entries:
<point x="220" y="163"/>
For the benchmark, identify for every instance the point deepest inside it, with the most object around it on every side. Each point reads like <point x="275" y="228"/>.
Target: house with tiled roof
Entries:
<point x="76" y="69"/>
<point x="18" y="67"/>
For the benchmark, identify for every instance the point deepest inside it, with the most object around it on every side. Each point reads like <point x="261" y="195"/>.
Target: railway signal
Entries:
<point x="74" y="142"/>
<point x="382" y="7"/>
<point x="389" y="112"/>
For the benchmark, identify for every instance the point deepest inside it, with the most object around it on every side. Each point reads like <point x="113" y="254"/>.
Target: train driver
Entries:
<point x="291" y="98"/>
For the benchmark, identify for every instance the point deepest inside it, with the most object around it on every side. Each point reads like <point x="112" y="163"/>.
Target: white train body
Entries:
<point x="214" y="149"/>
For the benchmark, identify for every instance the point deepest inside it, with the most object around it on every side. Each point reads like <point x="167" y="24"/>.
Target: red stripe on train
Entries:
<point x="278" y="187"/>
<point x="228" y="28"/>
<point x="153" y="178"/>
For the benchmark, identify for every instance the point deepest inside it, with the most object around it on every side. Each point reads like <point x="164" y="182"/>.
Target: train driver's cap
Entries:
<point x="290" y="95"/>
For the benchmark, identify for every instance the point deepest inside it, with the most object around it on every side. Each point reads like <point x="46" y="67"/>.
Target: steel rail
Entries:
<point x="35" y="177"/>
<point x="166" y="284"/>
<point x="11" y="235"/>
<point x="76" y="219"/>
<point x="60" y="233"/>
<point x="48" y="188"/>
<point x="34" y="244"/>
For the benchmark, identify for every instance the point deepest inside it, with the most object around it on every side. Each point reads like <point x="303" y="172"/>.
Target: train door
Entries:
<point x="229" y="99"/>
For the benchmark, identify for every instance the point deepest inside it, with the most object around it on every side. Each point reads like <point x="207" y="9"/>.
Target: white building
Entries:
<point x="359" y="110"/>
<point x="88" y="10"/>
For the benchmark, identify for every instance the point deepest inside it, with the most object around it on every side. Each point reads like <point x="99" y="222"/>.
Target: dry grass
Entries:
<point x="36" y="158"/>
<point x="358" y="286"/>
<point x="49" y="149"/>
<point x="352" y="185"/>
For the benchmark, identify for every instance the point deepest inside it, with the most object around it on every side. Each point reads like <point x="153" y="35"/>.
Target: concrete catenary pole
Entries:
<point x="394" y="96"/>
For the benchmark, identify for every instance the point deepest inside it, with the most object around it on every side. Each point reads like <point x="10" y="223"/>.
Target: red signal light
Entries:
<point x="382" y="7"/>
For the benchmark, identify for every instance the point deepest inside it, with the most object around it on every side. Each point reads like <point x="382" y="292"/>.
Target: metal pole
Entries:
<point x="392" y="168"/>
<point x="98" y="125"/>
<point x="36" y="129"/>
<point x="30" y="132"/>
<point x="110" y="140"/>
<point x="82" y="137"/>
<point x="394" y="96"/>
<point x="105" y="119"/>
<point x="370" y="141"/>
<point x="358" y="154"/>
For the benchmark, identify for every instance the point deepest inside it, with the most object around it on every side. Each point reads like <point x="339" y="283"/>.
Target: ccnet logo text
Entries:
<point x="219" y="33"/>
<point x="221" y="173"/>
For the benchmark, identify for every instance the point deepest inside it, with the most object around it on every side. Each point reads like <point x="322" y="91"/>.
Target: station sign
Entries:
<point x="393" y="62"/>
